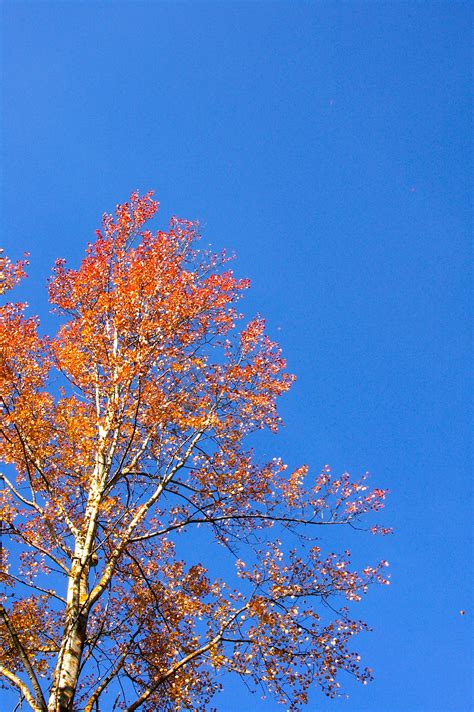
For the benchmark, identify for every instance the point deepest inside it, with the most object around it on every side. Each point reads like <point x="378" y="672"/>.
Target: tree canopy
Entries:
<point x="125" y="438"/>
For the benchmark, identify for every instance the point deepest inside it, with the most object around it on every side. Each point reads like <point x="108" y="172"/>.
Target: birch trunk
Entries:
<point x="67" y="670"/>
<point x="66" y="674"/>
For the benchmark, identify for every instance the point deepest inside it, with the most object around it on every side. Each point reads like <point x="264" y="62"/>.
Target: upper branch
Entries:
<point x="136" y="519"/>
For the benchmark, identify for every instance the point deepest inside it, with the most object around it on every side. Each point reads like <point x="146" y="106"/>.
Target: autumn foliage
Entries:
<point x="124" y="438"/>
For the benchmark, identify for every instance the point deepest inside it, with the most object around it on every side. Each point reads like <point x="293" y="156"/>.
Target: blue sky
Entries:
<point x="328" y="145"/>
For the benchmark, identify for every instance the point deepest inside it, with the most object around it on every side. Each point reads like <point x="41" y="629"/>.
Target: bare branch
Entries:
<point x="235" y="517"/>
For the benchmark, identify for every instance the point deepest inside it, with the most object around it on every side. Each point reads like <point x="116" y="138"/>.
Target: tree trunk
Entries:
<point x="66" y="674"/>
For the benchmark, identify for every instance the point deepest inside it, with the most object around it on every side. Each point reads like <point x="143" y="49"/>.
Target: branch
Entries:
<point x="106" y="680"/>
<point x="28" y="452"/>
<point x="34" y="505"/>
<point x="224" y="517"/>
<point x="184" y="661"/>
<point x="41" y="704"/>
<point x="49" y="592"/>
<point x="39" y="548"/>
<point x="131" y="438"/>
<point x="17" y="494"/>
<point x="109" y="677"/>
<point x="21" y="686"/>
<point x="136" y="519"/>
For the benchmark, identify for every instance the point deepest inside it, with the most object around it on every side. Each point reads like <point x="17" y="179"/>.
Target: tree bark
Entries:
<point x="67" y="670"/>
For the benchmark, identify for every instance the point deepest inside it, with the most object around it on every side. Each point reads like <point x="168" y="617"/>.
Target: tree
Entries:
<point x="124" y="433"/>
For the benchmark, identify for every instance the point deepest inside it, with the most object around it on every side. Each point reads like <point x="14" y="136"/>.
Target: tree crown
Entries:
<point x="123" y="431"/>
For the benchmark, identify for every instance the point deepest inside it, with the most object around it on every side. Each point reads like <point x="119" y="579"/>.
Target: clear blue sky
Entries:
<point x="328" y="144"/>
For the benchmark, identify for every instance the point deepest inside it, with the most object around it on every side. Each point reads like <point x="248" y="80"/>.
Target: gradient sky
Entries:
<point x="328" y="145"/>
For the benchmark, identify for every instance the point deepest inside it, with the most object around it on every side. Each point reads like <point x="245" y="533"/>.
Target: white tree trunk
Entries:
<point x="66" y="674"/>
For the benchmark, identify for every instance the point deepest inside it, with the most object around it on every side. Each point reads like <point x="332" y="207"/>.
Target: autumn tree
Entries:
<point x="125" y="443"/>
